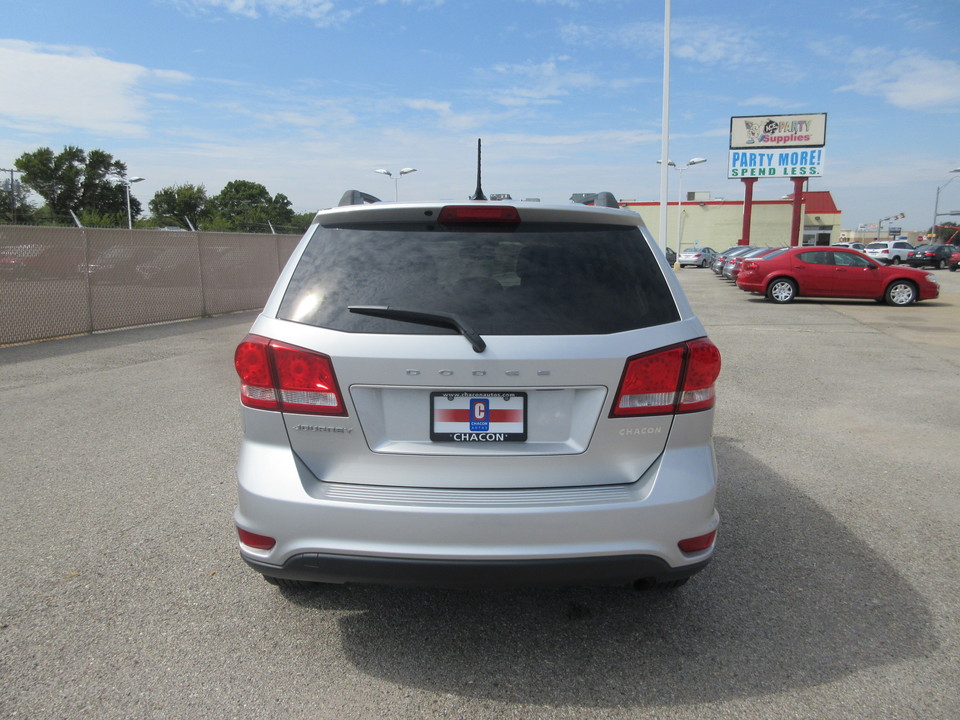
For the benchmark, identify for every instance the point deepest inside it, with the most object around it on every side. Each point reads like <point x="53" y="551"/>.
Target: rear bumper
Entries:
<point x="750" y="286"/>
<point x="327" y="532"/>
<point x="320" y="567"/>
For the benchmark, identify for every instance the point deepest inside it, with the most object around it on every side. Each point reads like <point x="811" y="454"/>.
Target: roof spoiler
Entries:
<point x="600" y="199"/>
<point x="355" y="197"/>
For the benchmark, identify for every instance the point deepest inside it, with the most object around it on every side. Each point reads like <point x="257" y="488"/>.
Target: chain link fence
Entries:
<point x="63" y="281"/>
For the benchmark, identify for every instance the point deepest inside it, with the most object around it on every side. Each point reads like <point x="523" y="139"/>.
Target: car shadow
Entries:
<point x="850" y="302"/>
<point x="792" y="599"/>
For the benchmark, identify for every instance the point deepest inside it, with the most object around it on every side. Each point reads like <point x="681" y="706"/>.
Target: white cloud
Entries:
<point x="914" y="82"/>
<point x="58" y="86"/>
<point x="542" y="81"/>
<point x="706" y="42"/>
<point x="322" y="13"/>
<point x="447" y="118"/>
<point x="767" y="101"/>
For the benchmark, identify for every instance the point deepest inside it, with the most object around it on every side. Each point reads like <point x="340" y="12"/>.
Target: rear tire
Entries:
<point x="781" y="290"/>
<point x="941" y="265"/>
<point x="896" y="260"/>
<point x="901" y="293"/>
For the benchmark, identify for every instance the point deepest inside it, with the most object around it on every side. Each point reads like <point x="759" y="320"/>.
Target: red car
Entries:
<point x="834" y="272"/>
<point x="954" y="260"/>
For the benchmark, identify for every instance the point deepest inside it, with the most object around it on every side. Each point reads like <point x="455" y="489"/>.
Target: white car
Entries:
<point x="892" y="252"/>
<point x="696" y="257"/>
<point x="477" y="393"/>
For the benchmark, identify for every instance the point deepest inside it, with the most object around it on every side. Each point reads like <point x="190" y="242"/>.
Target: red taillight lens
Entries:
<point x="650" y="384"/>
<point x="277" y="376"/>
<point x="261" y="542"/>
<point x="306" y="381"/>
<point x="697" y="544"/>
<point x="453" y="214"/>
<point x="257" y="383"/>
<point x="703" y="369"/>
<point x="673" y="380"/>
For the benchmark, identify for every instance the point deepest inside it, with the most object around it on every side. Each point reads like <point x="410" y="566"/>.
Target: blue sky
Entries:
<point x="309" y="97"/>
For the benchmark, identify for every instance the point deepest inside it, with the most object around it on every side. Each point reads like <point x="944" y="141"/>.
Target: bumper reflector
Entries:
<point x="697" y="544"/>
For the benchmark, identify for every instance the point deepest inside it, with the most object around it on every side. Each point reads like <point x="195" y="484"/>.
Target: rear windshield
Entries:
<point x="534" y="280"/>
<point x="778" y="251"/>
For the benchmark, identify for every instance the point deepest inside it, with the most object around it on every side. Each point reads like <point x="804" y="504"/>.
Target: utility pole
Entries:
<point x="13" y="193"/>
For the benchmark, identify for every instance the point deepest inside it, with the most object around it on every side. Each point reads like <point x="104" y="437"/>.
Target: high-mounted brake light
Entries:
<point x="453" y="214"/>
<point x="277" y="376"/>
<point x="677" y="379"/>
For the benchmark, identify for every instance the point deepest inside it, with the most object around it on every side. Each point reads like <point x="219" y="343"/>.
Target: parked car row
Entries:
<point x="785" y="273"/>
<point x="894" y="252"/>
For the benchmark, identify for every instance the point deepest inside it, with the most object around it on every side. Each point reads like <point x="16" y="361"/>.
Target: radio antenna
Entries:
<point x="478" y="194"/>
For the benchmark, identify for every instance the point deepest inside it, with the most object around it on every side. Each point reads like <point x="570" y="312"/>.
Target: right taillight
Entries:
<point x="677" y="379"/>
<point x="277" y="376"/>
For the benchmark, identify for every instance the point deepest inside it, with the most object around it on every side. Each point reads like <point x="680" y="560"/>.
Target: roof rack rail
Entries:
<point x="355" y="197"/>
<point x="600" y="199"/>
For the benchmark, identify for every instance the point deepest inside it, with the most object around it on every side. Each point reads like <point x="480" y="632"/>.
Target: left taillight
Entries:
<point x="278" y="376"/>
<point x="677" y="379"/>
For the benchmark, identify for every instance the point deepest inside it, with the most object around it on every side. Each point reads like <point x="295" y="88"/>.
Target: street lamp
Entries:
<point x="126" y="185"/>
<point x="671" y="163"/>
<point x="936" y="205"/>
<point x="396" y="180"/>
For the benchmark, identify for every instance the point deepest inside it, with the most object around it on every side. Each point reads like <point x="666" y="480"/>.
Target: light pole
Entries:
<point x="396" y="180"/>
<point x="126" y="185"/>
<point x="936" y="205"/>
<point x="13" y="196"/>
<point x="671" y="163"/>
<point x="880" y="222"/>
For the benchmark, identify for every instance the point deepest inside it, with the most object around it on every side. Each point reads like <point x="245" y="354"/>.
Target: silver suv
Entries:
<point x="487" y="393"/>
<point x="892" y="252"/>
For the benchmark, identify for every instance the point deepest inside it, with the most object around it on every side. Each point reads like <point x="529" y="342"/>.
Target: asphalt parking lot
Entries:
<point x="835" y="591"/>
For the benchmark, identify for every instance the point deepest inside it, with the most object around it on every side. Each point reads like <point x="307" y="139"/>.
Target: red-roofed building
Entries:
<point x="718" y="223"/>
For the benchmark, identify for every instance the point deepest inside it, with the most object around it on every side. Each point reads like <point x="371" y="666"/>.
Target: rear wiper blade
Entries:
<point x="434" y="319"/>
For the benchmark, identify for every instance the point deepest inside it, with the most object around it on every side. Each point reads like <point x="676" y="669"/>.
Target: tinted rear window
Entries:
<point x="534" y="280"/>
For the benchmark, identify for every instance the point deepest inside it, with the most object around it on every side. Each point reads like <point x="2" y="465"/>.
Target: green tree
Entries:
<point x="182" y="205"/>
<point x="300" y="222"/>
<point x="15" y="205"/>
<point x="78" y="181"/>
<point x="247" y="206"/>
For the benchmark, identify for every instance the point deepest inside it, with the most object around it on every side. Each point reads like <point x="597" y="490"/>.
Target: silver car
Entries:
<point x="477" y="393"/>
<point x="696" y="257"/>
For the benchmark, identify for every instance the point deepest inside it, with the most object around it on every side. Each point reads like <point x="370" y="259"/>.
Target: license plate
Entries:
<point x="478" y="417"/>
